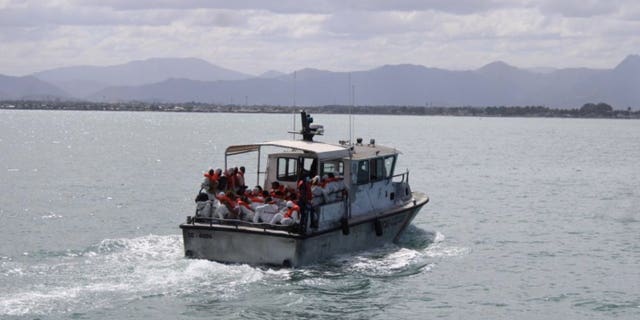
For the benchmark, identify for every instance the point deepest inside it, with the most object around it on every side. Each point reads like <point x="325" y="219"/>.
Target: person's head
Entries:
<point x="275" y="185"/>
<point x="243" y="170"/>
<point x="218" y="171"/>
<point x="211" y="172"/>
<point x="231" y="195"/>
<point x="259" y="188"/>
<point x="202" y="197"/>
<point x="289" y="204"/>
<point x="265" y="193"/>
<point x="331" y="175"/>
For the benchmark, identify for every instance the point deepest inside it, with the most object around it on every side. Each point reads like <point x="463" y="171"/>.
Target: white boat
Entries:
<point x="369" y="206"/>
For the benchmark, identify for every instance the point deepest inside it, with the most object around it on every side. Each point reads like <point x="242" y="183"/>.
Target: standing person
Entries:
<point x="231" y="181"/>
<point x="223" y="181"/>
<point x="240" y="179"/>
<point x="210" y="184"/>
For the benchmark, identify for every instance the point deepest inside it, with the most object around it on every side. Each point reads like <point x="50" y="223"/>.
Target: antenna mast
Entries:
<point x="350" y="106"/>
<point x="293" y="113"/>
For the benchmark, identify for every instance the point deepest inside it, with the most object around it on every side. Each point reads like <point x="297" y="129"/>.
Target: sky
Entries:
<point x="254" y="36"/>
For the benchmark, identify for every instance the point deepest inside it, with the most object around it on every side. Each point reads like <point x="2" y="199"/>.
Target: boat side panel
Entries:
<point x="263" y="248"/>
<point x="361" y="236"/>
<point x="238" y="247"/>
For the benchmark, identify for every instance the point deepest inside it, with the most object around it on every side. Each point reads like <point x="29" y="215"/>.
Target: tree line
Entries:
<point x="588" y="110"/>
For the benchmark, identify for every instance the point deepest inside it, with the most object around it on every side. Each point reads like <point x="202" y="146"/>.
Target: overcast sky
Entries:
<point x="254" y="36"/>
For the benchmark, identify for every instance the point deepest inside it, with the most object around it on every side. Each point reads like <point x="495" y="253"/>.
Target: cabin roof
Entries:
<point x="321" y="149"/>
<point x="372" y="151"/>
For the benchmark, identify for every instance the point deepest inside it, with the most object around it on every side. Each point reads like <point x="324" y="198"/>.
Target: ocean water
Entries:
<point x="528" y="219"/>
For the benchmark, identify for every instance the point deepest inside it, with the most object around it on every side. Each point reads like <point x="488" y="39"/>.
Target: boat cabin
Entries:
<point x="361" y="176"/>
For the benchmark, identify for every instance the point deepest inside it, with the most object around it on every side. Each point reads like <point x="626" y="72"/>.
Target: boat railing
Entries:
<point x="404" y="177"/>
<point x="238" y="223"/>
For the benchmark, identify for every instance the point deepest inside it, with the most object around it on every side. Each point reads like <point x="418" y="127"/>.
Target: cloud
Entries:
<point x="257" y="35"/>
<point x="100" y="16"/>
<point x="309" y="6"/>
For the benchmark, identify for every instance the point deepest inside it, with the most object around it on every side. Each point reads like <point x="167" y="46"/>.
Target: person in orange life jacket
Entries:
<point x="229" y="207"/>
<point x="246" y="211"/>
<point x="256" y="197"/>
<point x="210" y="184"/>
<point x="276" y="186"/>
<point x="304" y="190"/>
<point x="231" y="184"/>
<point x="239" y="174"/>
<point x="288" y="216"/>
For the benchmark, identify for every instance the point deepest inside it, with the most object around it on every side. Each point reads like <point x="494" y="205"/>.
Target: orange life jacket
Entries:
<point x="290" y="211"/>
<point x="211" y="177"/>
<point x="227" y="203"/>
<point x="244" y="204"/>
<point x="281" y="188"/>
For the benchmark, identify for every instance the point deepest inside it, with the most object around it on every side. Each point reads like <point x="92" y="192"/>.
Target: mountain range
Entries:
<point x="190" y="79"/>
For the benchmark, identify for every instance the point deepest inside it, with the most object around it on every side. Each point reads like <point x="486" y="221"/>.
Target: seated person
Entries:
<point x="265" y="212"/>
<point x="288" y="216"/>
<point x="204" y="206"/>
<point x="246" y="212"/>
<point x="333" y="187"/>
<point x="228" y="208"/>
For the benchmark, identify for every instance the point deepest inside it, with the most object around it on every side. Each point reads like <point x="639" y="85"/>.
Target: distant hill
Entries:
<point x="82" y="81"/>
<point x="190" y="79"/>
<point x="496" y="83"/>
<point x="269" y="91"/>
<point x="17" y="88"/>
<point x="272" y="74"/>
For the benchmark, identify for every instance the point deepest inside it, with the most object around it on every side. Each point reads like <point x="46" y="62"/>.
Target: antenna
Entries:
<point x="350" y="105"/>
<point x="293" y="116"/>
<point x="294" y="88"/>
<point x="295" y="82"/>
<point x="353" y="102"/>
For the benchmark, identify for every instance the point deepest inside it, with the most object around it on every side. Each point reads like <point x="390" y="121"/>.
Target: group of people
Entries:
<point x="225" y="196"/>
<point x="230" y="180"/>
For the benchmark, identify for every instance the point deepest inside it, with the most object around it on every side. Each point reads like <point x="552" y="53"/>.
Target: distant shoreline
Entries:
<point x="491" y="111"/>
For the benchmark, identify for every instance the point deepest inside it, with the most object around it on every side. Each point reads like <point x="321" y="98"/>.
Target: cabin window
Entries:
<point x="333" y="167"/>
<point x="377" y="169"/>
<point x="363" y="171"/>
<point x="287" y="169"/>
<point x="389" y="164"/>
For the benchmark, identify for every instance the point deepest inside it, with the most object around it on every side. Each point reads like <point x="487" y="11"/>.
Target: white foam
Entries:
<point x="51" y="216"/>
<point x="117" y="271"/>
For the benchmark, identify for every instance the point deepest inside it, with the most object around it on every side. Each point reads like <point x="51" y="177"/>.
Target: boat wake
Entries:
<point x="112" y="272"/>
<point x="115" y="272"/>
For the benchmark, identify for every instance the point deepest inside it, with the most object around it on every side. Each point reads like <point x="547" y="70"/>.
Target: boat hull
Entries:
<point x="260" y="246"/>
